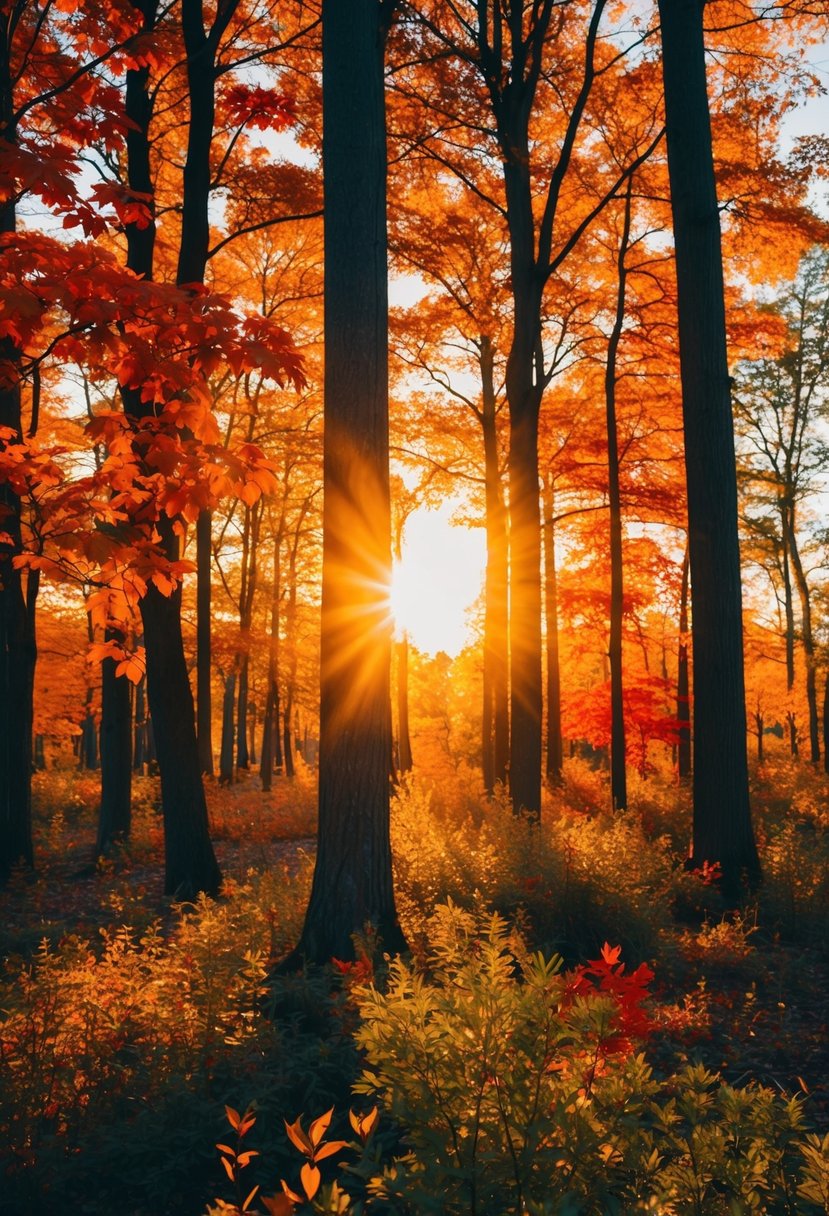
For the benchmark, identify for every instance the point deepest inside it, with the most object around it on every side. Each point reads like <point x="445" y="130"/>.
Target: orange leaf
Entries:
<point x="233" y="1117"/>
<point x="311" y="1178"/>
<point x="228" y="1168"/>
<point x="280" y="1205"/>
<point x="298" y="1138"/>
<point x="247" y="1202"/>
<point x="611" y="954"/>
<point x="328" y="1150"/>
<point x="319" y="1127"/>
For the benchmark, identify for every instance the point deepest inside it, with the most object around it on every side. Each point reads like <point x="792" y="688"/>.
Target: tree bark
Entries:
<point x="115" y="817"/>
<point x="722" y="828"/>
<point x="352" y="886"/>
<point x="618" y="774"/>
<point x="805" y="597"/>
<point x="555" y="749"/>
<point x="190" y="863"/>
<point x="18" y="650"/>
<point x="495" y="725"/>
<point x="226" y="749"/>
<point x="204" y="591"/>
<point x="404" y="743"/>
<point x="683" y="697"/>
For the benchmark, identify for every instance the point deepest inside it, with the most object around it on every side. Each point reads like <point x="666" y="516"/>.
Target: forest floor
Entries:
<point x="748" y="1004"/>
<point x="744" y="993"/>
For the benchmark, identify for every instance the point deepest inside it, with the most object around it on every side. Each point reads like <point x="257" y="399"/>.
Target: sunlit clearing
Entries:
<point x="438" y="580"/>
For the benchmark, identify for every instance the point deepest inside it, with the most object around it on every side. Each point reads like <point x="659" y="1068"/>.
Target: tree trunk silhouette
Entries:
<point x="404" y="743"/>
<point x="115" y="817"/>
<point x="139" y="748"/>
<point x="495" y="728"/>
<point x="722" y="829"/>
<point x="352" y="885"/>
<point x="226" y="750"/>
<point x="683" y="698"/>
<point x="618" y="773"/>
<point x="555" y="750"/>
<point x="190" y="863"/>
<point x="204" y="591"/>
<point x="826" y="723"/>
<point x="18" y="596"/>
<point x="805" y="597"/>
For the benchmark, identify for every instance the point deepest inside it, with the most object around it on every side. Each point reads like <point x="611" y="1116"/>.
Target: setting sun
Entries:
<point x="438" y="580"/>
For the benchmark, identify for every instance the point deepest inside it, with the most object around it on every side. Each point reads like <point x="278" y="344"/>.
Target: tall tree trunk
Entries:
<point x="758" y="729"/>
<point x="226" y="749"/>
<point x="788" y="599"/>
<point x="722" y="829"/>
<point x="190" y="863"/>
<point x="618" y="774"/>
<point x="683" y="698"/>
<point x="18" y="651"/>
<point x="352" y="883"/>
<point x="114" y="821"/>
<point x="524" y="379"/>
<point x="495" y="726"/>
<point x="242" y="752"/>
<point x="826" y="722"/>
<point x="266" y="754"/>
<point x="404" y="743"/>
<point x="555" y="751"/>
<point x="805" y="596"/>
<point x="139" y="751"/>
<point x="204" y="694"/>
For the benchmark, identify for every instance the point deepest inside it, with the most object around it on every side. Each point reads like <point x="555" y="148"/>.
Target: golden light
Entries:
<point x="438" y="580"/>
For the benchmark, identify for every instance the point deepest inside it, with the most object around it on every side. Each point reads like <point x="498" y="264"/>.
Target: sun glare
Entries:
<point x="437" y="581"/>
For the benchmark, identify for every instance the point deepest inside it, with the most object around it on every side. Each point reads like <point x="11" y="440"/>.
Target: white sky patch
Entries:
<point x="439" y="580"/>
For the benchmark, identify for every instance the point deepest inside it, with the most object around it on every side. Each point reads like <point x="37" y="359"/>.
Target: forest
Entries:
<point x="346" y="872"/>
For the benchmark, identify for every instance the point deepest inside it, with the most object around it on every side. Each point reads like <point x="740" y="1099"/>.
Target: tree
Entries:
<point x="352" y="884"/>
<point x="722" y="829"/>
<point x="781" y="400"/>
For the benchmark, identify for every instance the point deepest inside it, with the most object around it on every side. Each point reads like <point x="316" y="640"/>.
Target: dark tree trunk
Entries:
<point x="758" y="729"/>
<point x="722" y="830"/>
<point x="116" y="755"/>
<point x="266" y="755"/>
<point x="242" y="752"/>
<point x="252" y="740"/>
<point x="190" y="863"/>
<point x="524" y="397"/>
<point x="618" y="773"/>
<point x="683" y="698"/>
<point x="226" y="750"/>
<point x="287" y="741"/>
<point x="404" y="743"/>
<point x="204" y="695"/>
<point x="495" y="727"/>
<point x="555" y="750"/>
<point x="788" y="599"/>
<point x="805" y="596"/>
<point x="791" y="722"/>
<point x="826" y="722"/>
<point x="18" y="651"/>
<point x="88" y="755"/>
<point x="352" y="884"/>
<point x="139" y="749"/>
